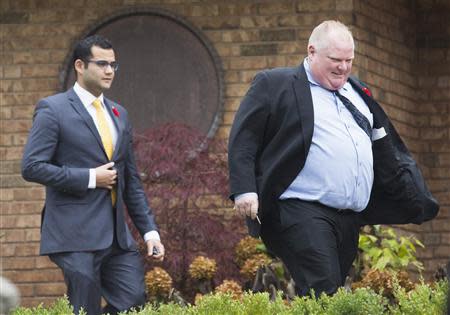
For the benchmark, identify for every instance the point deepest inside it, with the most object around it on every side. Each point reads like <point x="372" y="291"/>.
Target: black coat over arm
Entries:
<point x="271" y="137"/>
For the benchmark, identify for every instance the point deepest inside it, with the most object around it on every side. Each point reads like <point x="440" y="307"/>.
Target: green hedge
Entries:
<point x="424" y="299"/>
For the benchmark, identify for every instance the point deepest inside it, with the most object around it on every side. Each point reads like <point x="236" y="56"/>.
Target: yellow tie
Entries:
<point x="105" y="134"/>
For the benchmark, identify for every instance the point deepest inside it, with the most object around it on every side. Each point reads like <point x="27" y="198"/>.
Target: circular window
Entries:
<point x="168" y="71"/>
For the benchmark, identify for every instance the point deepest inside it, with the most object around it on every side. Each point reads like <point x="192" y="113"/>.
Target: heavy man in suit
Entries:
<point x="312" y="157"/>
<point x="80" y="148"/>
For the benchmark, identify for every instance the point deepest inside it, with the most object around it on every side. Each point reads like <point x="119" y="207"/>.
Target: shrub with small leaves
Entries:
<point x="59" y="307"/>
<point x="217" y="304"/>
<point x="361" y="301"/>
<point x="425" y="299"/>
<point x="202" y="268"/>
<point x="307" y="305"/>
<point x="261" y="304"/>
<point x="252" y="265"/>
<point x="383" y="282"/>
<point x="158" y="282"/>
<point x="246" y="248"/>
<point x="231" y="287"/>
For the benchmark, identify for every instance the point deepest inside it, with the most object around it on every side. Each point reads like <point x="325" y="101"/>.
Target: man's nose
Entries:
<point x="109" y="68"/>
<point x="343" y="66"/>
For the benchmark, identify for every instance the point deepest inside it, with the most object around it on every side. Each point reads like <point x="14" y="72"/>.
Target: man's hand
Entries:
<point x="247" y="205"/>
<point x="105" y="177"/>
<point x="159" y="252"/>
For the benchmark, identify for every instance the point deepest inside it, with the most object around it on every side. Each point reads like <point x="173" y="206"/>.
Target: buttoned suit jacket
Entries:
<point x="270" y="140"/>
<point x="62" y="146"/>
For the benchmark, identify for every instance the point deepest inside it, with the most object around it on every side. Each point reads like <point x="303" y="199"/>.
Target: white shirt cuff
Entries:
<point x="92" y="178"/>
<point x="152" y="235"/>
<point x="239" y="196"/>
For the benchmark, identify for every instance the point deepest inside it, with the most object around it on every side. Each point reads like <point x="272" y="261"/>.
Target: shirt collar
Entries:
<point x="85" y="96"/>
<point x="314" y="82"/>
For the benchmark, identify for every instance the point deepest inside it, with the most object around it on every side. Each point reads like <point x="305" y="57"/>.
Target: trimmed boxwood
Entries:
<point x="426" y="299"/>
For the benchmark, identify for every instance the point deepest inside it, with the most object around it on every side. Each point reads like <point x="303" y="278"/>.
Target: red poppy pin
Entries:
<point x="116" y="112"/>
<point x="367" y="91"/>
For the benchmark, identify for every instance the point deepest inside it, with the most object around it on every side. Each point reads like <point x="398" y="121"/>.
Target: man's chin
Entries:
<point x="106" y="86"/>
<point x="337" y="84"/>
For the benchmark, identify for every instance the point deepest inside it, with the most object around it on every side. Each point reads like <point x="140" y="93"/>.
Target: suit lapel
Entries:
<point x="304" y="105"/>
<point x="75" y="102"/>
<point x="118" y="123"/>
<point x="380" y="118"/>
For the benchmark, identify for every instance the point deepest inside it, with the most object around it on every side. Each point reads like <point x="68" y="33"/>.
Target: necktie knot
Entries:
<point x="97" y="104"/>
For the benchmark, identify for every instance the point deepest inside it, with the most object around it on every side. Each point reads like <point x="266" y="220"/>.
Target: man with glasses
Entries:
<point x="80" y="148"/>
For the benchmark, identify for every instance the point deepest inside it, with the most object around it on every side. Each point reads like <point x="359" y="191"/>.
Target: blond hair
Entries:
<point x="321" y="34"/>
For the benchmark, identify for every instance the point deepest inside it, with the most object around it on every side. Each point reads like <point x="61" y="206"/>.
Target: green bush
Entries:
<point x="216" y="304"/>
<point x="60" y="307"/>
<point x="424" y="299"/>
<point x="381" y="248"/>
<point x="307" y="305"/>
<point x="259" y="303"/>
<point x="361" y="301"/>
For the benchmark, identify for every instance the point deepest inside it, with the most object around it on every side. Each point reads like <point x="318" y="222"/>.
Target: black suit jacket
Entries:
<point x="62" y="146"/>
<point x="270" y="140"/>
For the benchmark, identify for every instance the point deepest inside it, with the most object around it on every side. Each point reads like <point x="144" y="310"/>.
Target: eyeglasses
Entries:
<point x="104" y="64"/>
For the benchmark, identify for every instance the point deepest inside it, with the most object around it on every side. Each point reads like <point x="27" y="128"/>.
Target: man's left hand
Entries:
<point x="159" y="255"/>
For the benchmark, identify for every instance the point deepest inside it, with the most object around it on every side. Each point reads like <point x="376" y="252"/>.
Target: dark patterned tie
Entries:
<point x="360" y="119"/>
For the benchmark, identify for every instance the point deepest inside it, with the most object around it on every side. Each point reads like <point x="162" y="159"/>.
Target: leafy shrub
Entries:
<point x="186" y="179"/>
<point x="247" y="248"/>
<point x="259" y="303"/>
<point x="385" y="282"/>
<point x="361" y="301"/>
<point x="202" y="268"/>
<point x="60" y="307"/>
<point x="217" y="304"/>
<point x="158" y="283"/>
<point x="381" y="248"/>
<point x="307" y="305"/>
<point x="230" y="287"/>
<point x="425" y="299"/>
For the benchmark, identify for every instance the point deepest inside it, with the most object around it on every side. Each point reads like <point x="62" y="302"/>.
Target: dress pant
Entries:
<point x="113" y="273"/>
<point x="316" y="243"/>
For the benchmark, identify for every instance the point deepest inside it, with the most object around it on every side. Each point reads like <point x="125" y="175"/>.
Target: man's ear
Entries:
<point x="79" y="66"/>
<point x="311" y="50"/>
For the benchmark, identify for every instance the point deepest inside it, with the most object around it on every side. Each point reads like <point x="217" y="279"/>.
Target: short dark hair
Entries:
<point x="83" y="47"/>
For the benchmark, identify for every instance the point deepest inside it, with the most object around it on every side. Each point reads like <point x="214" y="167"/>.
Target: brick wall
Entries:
<point x="248" y="36"/>
<point x="433" y="104"/>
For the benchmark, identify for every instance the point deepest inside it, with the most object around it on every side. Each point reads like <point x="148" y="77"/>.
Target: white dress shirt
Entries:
<point x="87" y="99"/>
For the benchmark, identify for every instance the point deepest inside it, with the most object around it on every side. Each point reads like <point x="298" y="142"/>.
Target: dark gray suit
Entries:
<point x="62" y="146"/>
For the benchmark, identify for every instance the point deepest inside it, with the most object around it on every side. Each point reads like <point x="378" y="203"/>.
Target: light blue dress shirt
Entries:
<point x="338" y="171"/>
